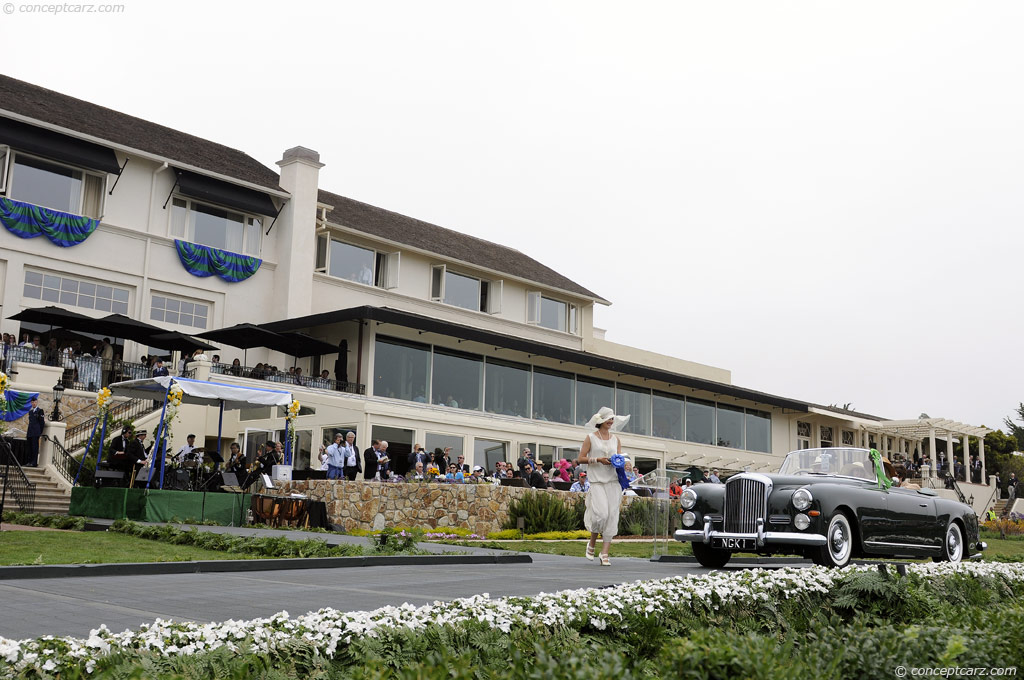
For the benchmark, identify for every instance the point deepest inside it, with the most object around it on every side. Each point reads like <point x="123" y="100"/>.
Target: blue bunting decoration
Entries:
<point x="206" y="261"/>
<point x="17" y="404"/>
<point x="29" y="221"/>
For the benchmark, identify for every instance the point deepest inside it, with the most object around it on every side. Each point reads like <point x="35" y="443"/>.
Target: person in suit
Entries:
<point x="159" y="369"/>
<point x="372" y="457"/>
<point x="135" y="458"/>
<point x="350" y="457"/>
<point x="36" y="421"/>
<point x="236" y="463"/>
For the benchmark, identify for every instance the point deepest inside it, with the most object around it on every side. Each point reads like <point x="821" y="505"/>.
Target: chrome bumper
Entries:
<point x="761" y="536"/>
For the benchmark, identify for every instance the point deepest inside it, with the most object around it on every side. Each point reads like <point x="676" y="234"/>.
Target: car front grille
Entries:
<point x="745" y="502"/>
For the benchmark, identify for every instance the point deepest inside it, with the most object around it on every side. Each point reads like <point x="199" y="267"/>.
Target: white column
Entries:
<point x="949" y="452"/>
<point x="931" y="451"/>
<point x="981" y="457"/>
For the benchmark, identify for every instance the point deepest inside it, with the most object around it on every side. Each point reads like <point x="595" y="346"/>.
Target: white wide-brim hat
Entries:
<point x="606" y="414"/>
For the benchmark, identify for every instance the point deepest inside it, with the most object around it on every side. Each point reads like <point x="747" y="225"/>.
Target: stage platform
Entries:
<point x="156" y="505"/>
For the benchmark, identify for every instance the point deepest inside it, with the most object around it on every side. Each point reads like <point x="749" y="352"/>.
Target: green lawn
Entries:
<point x="95" y="547"/>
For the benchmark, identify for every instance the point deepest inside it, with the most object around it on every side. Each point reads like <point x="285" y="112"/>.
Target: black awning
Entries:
<point x="225" y="194"/>
<point x="431" y="325"/>
<point x="56" y="146"/>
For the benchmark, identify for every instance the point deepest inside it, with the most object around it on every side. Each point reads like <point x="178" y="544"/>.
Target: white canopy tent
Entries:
<point x="199" y="392"/>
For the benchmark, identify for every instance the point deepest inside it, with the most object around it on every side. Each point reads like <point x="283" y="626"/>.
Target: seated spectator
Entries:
<point x="547" y="480"/>
<point x="478" y="475"/>
<point x="674" y="489"/>
<point x="236" y="368"/>
<point x="533" y="477"/>
<point x="583" y="484"/>
<point x="560" y="471"/>
<point x="417" y="474"/>
<point x="631" y="474"/>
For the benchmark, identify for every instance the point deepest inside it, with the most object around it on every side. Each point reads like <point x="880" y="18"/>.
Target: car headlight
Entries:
<point x="688" y="499"/>
<point x="802" y="499"/>
<point x="801" y="521"/>
<point x="689" y="519"/>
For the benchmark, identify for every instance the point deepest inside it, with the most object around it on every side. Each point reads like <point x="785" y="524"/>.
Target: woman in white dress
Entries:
<point x="602" y="516"/>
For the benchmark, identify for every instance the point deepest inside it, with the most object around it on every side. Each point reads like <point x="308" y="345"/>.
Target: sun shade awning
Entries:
<point x="56" y="146"/>
<point x="225" y="194"/>
<point x="202" y="392"/>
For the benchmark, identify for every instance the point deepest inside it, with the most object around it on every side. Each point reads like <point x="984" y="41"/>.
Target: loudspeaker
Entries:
<point x="104" y="478"/>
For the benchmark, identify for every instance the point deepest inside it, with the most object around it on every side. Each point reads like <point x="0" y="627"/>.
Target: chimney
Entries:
<point x="296" y="240"/>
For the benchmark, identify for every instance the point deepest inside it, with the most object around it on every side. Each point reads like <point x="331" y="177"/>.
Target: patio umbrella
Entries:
<point x="302" y="345"/>
<point x="56" y="316"/>
<point x="121" y="326"/>
<point x="244" y="336"/>
<point x="173" y="340"/>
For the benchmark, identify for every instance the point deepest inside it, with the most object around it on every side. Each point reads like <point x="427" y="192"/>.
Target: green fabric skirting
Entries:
<point x="156" y="505"/>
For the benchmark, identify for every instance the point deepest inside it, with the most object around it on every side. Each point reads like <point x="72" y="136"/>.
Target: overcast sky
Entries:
<point x="824" y="198"/>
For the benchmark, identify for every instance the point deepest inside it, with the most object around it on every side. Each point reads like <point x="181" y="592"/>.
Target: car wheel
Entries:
<point x="709" y="557"/>
<point x="953" y="545"/>
<point x="838" y="548"/>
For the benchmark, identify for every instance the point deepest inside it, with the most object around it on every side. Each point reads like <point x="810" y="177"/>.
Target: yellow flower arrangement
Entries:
<point x="103" y="397"/>
<point x="175" y="395"/>
<point x="293" y="409"/>
<point x="432" y="470"/>
<point x="4" y="382"/>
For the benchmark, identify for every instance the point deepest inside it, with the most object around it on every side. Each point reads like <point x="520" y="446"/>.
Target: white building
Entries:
<point x="451" y="340"/>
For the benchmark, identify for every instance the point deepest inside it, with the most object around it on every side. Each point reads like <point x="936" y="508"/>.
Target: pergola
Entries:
<point x="917" y="431"/>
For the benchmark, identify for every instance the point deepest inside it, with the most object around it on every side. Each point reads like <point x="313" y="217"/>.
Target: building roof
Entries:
<point x="61" y="110"/>
<point x="387" y="315"/>
<point x="392" y="226"/>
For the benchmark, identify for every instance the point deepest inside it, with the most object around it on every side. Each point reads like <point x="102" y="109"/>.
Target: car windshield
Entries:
<point x="840" y="462"/>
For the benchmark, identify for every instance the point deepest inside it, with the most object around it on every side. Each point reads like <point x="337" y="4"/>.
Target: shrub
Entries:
<point x="542" y="512"/>
<point x="505" y="535"/>
<point x="51" y="521"/>
<point x="644" y="517"/>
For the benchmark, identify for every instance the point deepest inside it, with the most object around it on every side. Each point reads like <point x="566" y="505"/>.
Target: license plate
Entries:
<point x="733" y="543"/>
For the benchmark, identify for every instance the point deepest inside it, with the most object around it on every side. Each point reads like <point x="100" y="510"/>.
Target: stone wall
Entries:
<point x="482" y="508"/>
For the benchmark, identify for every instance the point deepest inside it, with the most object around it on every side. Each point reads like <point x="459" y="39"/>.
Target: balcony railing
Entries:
<point x="130" y="410"/>
<point x="14" y="480"/>
<point x="261" y="373"/>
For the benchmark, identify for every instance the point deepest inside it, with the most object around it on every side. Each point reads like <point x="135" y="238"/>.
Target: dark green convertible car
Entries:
<point x="829" y="505"/>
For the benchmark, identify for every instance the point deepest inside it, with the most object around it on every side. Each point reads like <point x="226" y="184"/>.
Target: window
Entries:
<point x="507" y="388"/>
<point x="172" y="310"/>
<point x="356" y="263"/>
<point x="282" y="411"/>
<point x="759" y="431"/>
<point x="700" y="421"/>
<point x="401" y="369"/>
<point x="591" y="395"/>
<point x="552" y="396"/>
<point x="75" y="292"/>
<point x="730" y="426"/>
<point x="468" y="292"/>
<point x="215" y="227"/>
<point x="57" y="187"/>
<point x="443" y="441"/>
<point x="551" y="313"/>
<point x="487" y="453"/>
<point x="636" y="403"/>
<point x="825" y="436"/>
<point x="848" y="438"/>
<point x="667" y="414"/>
<point x="803" y="435"/>
<point x="457" y="379"/>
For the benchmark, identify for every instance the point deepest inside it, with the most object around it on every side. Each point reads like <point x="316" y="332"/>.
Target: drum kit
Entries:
<point x="189" y="475"/>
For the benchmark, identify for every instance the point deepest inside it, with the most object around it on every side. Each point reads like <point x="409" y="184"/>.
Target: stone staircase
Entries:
<point x="51" y="497"/>
<point x="1001" y="507"/>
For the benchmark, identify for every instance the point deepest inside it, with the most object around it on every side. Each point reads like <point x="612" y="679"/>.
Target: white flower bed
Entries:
<point x="329" y="629"/>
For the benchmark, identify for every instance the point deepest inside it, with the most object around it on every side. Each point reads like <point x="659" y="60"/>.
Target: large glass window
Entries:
<point x="667" y="414"/>
<point x="636" y="403"/>
<point x="553" y="313"/>
<point x="401" y="369"/>
<point x="75" y="292"/>
<point x="759" y="431"/>
<point x="457" y="380"/>
<point x="351" y="262"/>
<point x="700" y="421"/>
<point x="461" y="291"/>
<point x="507" y="388"/>
<point x="591" y="395"/>
<point x="172" y="310"/>
<point x="55" y="186"/>
<point x="443" y="441"/>
<point x="215" y="227"/>
<point x="552" y="396"/>
<point x="730" y="426"/>
<point x="487" y="452"/>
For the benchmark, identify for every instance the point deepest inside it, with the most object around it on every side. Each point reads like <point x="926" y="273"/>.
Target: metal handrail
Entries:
<point x="312" y="382"/>
<point x="951" y="484"/>
<point x="64" y="462"/>
<point x="15" y="479"/>
<point x="126" y="410"/>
